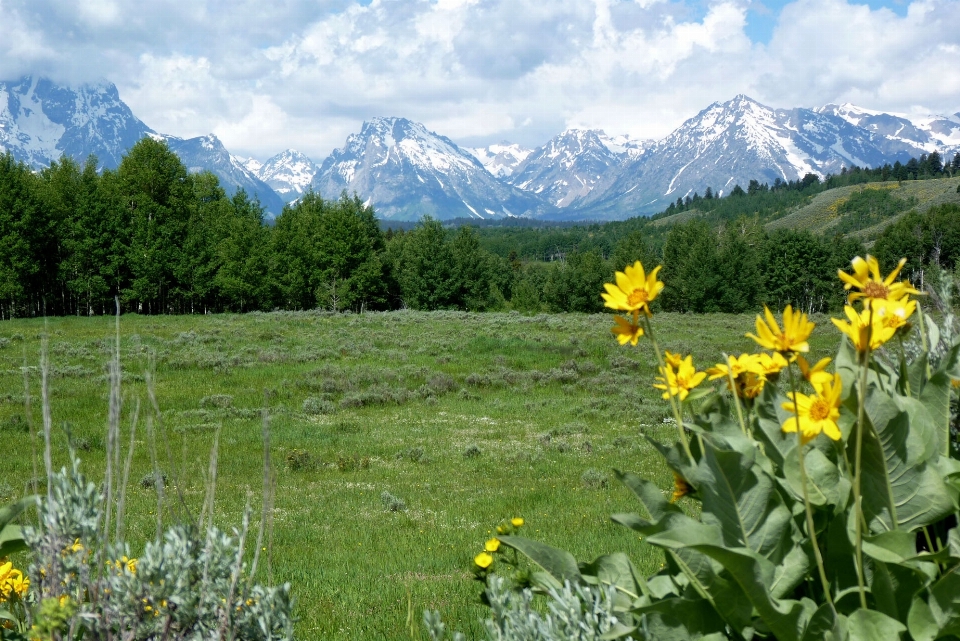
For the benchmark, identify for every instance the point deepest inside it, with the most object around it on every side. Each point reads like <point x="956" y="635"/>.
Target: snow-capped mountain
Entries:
<point x="928" y="133"/>
<point x="289" y="173"/>
<point x="41" y="121"/>
<point x="737" y="141"/>
<point x="500" y="159"/>
<point x="406" y="171"/>
<point x="566" y="169"/>
<point x="624" y="146"/>
<point x="207" y="153"/>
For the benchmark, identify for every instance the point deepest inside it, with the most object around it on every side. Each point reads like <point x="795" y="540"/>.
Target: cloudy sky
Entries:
<point x="268" y="75"/>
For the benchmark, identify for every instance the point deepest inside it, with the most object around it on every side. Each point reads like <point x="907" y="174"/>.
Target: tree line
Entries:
<point x="73" y="238"/>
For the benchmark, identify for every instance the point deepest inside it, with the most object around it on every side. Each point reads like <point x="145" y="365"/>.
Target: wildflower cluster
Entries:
<point x="13" y="584"/>
<point x="828" y="492"/>
<point x="483" y="561"/>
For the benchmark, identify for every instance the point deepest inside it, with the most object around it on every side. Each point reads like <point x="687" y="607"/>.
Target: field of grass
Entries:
<point x="465" y="419"/>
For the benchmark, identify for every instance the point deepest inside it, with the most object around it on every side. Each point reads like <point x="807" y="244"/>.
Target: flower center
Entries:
<point x="873" y="289"/>
<point x="819" y="410"/>
<point x="638" y="297"/>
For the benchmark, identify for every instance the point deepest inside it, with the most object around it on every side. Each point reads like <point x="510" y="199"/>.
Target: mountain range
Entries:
<point x="406" y="171"/>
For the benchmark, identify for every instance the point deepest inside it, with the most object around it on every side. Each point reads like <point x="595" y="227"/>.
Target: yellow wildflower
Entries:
<point x="679" y="382"/>
<point x="627" y="330"/>
<point x="865" y="329"/>
<point x="750" y="385"/>
<point x="76" y="547"/>
<point x="680" y="488"/>
<point x="492" y="545"/>
<point x="634" y="290"/>
<point x="16" y="583"/>
<point x="483" y="560"/>
<point x="866" y="277"/>
<point x="516" y="521"/>
<point x="792" y="338"/>
<point x="894" y="313"/>
<point x="817" y="373"/>
<point x="673" y="360"/>
<point x="5" y="570"/>
<point x="735" y="366"/>
<point x="769" y="364"/>
<point x="815" y="413"/>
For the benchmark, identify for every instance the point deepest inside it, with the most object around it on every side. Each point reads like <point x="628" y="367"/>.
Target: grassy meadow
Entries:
<point x="399" y="440"/>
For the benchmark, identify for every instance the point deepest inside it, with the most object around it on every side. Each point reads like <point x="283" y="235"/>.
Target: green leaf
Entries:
<point x="891" y="547"/>
<point x="11" y="540"/>
<point x="936" y="398"/>
<point x="558" y="563"/>
<point x="917" y="374"/>
<point x="786" y="619"/>
<point x="742" y="500"/>
<point x="893" y="587"/>
<point x="775" y="443"/>
<point x="12" y="511"/>
<point x="939" y="615"/>
<point x="649" y="494"/>
<point x="679" y="619"/>
<point x="825" y="484"/>
<point x="616" y="570"/>
<point x="870" y="625"/>
<point x="824" y="625"/>
<point x="899" y="488"/>
<point x="794" y="568"/>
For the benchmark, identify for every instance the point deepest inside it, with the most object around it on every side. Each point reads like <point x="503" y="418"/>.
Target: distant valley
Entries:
<point x="405" y="171"/>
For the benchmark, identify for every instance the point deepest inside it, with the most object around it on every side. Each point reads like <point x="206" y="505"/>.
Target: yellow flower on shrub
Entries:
<point x="734" y="367"/>
<point x="866" y="278"/>
<point x="817" y="373"/>
<point x="748" y="373"/>
<point x="491" y="545"/>
<point x="865" y="329"/>
<point x="626" y="330"/>
<point x="483" y="560"/>
<point x="815" y="413"/>
<point x="792" y="338"/>
<point x="679" y="381"/>
<point x="634" y="289"/>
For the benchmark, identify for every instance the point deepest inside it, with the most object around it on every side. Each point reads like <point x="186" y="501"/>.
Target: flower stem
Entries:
<point x="736" y="397"/>
<point x="857" y="498"/>
<point x="806" y="497"/>
<point x="677" y="416"/>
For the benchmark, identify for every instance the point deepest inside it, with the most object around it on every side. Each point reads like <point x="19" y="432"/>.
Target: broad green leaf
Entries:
<point x="891" y="547"/>
<point x="10" y="512"/>
<point x="743" y="502"/>
<point x="790" y="573"/>
<point x="936" y="398"/>
<point x="870" y="625"/>
<point x="950" y="363"/>
<point x="676" y="458"/>
<point x="649" y="494"/>
<point x="680" y="619"/>
<point x="6" y="615"/>
<point x="899" y="488"/>
<point x="786" y="619"/>
<point x="11" y="540"/>
<point x="558" y="563"/>
<point x="916" y="375"/>
<point x="616" y="570"/>
<point x="775" y="442"/>
<point x="937" y="614"/>
<point x="933" y="331"/>
<point x="825" y="484"/>
<point x="824" y="625"/>
<point x="893" y="587"/>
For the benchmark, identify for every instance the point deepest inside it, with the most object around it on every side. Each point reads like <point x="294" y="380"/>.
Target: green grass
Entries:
<point x="366" y="404"/>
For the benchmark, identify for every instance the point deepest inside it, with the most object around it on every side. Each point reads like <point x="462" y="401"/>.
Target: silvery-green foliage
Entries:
<point x="575" y="612"/>
<point x="190" y="585"/>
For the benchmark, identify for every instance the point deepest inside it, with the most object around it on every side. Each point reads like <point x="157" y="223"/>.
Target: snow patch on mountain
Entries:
<point x="289" y="173"/>
<point x="500" y="159"/>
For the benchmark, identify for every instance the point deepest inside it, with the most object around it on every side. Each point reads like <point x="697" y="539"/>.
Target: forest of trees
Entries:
<point x="162" y="240"/>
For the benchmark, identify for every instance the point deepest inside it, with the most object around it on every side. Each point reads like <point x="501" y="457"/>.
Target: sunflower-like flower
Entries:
<point x="517" y="521"/>
<point x="894" y="313"/>
<point x="750" y="385"/>
<point x="748" y="372"/>
<point x="792" y="338"/>
<point x="866" y="278"/>
<point x="680" y="380"/>
<point x="768" y="365"/>
<point x="492" y="545"/>
<point x="680" y="488"/>
<point x="673" y="360"/>
<point x="627" y="330"/>
<point x="815" y="413"/>
<point x="865" y="329"/>
<point x="734" y="367"/>
<point x="634" y="290"/>
<point x="816" y="374"/>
